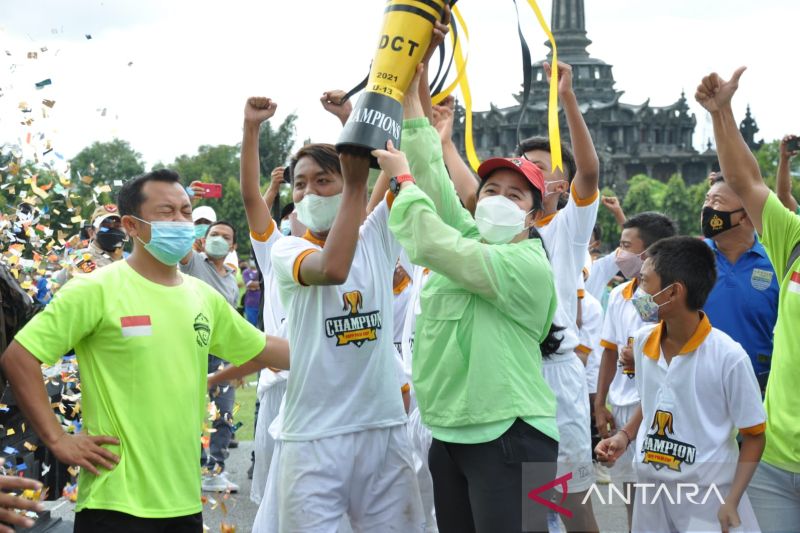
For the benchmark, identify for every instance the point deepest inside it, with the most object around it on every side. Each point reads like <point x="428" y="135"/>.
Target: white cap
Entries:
<point x="206" y="212"/>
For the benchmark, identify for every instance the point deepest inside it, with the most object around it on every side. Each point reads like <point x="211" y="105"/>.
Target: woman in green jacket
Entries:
<point x="486" y="322"/>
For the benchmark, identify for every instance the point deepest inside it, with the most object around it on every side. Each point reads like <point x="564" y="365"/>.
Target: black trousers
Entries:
<point x="104" y="521"/>
<point x="484" y="488"/>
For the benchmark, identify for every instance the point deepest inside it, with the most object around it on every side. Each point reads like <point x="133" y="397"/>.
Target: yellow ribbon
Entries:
<point x="469" y="144"/>
<point x="552" y="106"/>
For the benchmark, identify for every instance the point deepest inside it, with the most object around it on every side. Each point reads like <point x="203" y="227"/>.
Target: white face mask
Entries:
<point x="499" y="219"/>
<point x="318" y="212"/>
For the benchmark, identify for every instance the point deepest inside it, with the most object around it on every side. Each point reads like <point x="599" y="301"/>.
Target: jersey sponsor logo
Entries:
<point x="761" y="279"/>
<point x="356" y="327"/>
<point x="136" y="326"/>
<point x="660" y="450"/>
<point x="202" y="329"/>
<point x="794" y="282"/>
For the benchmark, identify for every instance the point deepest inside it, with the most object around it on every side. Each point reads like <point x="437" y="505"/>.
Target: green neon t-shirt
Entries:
<point x="142" y="350"/>
<point x="780" y="234"/>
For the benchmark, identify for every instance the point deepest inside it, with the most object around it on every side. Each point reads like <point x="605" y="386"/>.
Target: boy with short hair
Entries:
<point x="696" y="386"/>
<point x="615" y="380"/>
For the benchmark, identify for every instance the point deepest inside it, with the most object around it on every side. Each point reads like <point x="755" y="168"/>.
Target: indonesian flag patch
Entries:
<point x="136" y="326"/>
<point x="794" y="282"/>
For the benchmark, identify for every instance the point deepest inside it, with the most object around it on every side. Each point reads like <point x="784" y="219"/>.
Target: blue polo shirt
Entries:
<point x="744" y="304"/>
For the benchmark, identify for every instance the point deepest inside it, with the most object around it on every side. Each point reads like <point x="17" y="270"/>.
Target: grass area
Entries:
<point x="246" y="398"/>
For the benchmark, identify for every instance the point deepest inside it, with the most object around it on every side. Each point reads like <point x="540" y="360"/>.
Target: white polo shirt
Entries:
<point x="693" y="406"/>
<point x="589" y="336"/>
<point x="343" y="376"/>
<point x="566" y="235"/>
<point x="419" y="276"/>
<point x="621" y="323"/>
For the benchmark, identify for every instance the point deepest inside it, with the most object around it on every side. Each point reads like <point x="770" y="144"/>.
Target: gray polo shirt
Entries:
<point x="201" y="267"/>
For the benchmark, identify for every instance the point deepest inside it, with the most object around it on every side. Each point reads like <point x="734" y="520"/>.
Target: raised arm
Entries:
<point x="587" y="174"/>
<point x="332" y="265"/>
<point x="274" y="187"/>
<point x="463" y="179"/>
<point x="783" y="185"/>
<point x="737" y="162"/>
<point x="612" y="204"/>
<point x="256" y="110"/>
<point x="334" y="103"/>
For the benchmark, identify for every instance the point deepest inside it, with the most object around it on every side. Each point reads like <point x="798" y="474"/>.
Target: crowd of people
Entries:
<point x="456" y="341"/>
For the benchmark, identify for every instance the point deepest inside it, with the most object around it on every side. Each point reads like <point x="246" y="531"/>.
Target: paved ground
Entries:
<point x="241" y="511"/>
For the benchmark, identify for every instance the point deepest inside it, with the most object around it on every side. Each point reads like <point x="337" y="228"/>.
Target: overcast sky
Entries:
<point x="168" y="76"/>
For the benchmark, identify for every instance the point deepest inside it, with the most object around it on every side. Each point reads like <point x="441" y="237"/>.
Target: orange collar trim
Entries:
<point x="542" y="222"/>
<point x="652" y="347"/>
<point x="402" y="285"/>
<point x="313" y="240"/>
<point x="630" y="288"/>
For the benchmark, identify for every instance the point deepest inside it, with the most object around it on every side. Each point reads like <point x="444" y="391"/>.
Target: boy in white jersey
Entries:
<point x="343" y="445"/>
<point x="697" y="388"/>
<point x="570" y="205"/>
<point x="615" y="380"/>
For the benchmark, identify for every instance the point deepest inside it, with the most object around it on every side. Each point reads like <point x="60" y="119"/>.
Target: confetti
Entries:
<point x="88" y="37"/>
<point x="44" y="83"/>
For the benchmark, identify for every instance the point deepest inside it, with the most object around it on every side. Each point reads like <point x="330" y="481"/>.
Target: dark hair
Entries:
<point x="688" y="261"/>
<point x="652" y="227"/>
<point x="543" y="143"/>
<point x="287" y="210"/>
<point x="324" y="155"/>
<point x="223" y="223"/>
<point x="130" y="197"/>
<point x="597" y="232"/>
<point x="716" y="177"/>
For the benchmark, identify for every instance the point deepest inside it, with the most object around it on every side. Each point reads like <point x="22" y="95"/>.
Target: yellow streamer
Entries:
<point x="456" y="49"/>
<point x="552" y="106"/>
<point x="469" y="144"/>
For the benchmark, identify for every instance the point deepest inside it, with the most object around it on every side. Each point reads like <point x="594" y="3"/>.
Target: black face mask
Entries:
<point x="715" y="222"/>
<point x="110" y="239"/>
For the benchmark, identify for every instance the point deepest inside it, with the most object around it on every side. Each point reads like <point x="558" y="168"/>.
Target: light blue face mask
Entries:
<point x="169" y="241"/>
<point x="217" y="247"/>
<point x="200" y="230"/>
<point x="286" y="227"/>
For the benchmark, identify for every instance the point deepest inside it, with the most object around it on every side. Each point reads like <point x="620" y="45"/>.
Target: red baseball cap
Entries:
<point x="519" y="165"/>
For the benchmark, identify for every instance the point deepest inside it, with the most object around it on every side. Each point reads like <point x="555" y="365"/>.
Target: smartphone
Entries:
<point x="212" y="190"/>
<point x="793" y="145"/>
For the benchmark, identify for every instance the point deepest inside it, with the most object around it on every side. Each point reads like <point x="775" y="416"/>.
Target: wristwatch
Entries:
<point x="394" y="183"/>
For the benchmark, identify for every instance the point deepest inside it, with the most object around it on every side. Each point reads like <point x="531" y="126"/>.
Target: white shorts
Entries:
<point x="567" y="379"/>
<point x="269" y="405"/>
<point x="677" y="513"/>
<point x="623" y="471"/>
<point x="368" y="475"/>
<point x="592" y="370"/>
<point x="420" y="437"/>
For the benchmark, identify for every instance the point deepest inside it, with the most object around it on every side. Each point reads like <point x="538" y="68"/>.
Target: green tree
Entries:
<point x="678" y="205"/>
<point x="644" y="194"/>
<point x="275" y="144"/>
<point x="109" y="161"/>
<point x="697" y="197"/>
<point x="211" y="164"/>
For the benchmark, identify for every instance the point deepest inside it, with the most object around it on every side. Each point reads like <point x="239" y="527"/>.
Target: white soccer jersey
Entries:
<point x="419" y="276"/>
<point x="566" y="236"/>
<point x="273" y="314"/>
<point x="402" y="296"/>
<point x="589" y="336"/>
<point x="692" y="406"/>
<point x="622" y="321"/>
<point x="343" y="375"/>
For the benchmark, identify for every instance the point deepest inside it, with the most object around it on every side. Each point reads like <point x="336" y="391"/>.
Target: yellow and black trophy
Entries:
<point x="378" y="115"/>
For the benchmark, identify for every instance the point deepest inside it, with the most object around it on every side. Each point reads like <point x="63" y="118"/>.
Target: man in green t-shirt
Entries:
<point x="773" y="490"/>
<point x="142" y="332"/>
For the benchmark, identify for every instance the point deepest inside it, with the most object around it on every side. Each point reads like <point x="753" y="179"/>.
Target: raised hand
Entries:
<point x="85" y="451"/>
<point x="440" y="31"/>
<point x="443" y="115"/>
<point x="277" y="177"/>
<point x="334" y="103"/>
<point x="258" y="109"/>
<point x="355" y="167"/>
<point x="785" y="152"/>
<point x="564" y="76"/>
<point x="714" y="93"/>
<point x="392" y="161"/>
